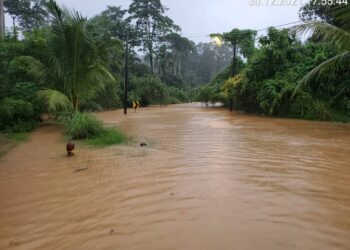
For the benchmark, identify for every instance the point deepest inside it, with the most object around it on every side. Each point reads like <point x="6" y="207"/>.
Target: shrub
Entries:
<point x="176" y="95"/>
<point x="269" y="95"/>
<point x="306" y="107"/>
<point x="149" y="89"/>
<point x="83" y="125"/>
<point x="17" y="115"/>
<point x="107" y="98"/>
<point x="210" y="93"/>
<point x="27" y="91"/>
<point x="90" y="106"/>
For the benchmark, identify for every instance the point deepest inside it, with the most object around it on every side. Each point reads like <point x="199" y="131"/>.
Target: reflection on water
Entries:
<point x="209" y="179"/>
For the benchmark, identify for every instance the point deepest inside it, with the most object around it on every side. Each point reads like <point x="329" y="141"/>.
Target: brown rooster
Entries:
<point x="70" y="147"/>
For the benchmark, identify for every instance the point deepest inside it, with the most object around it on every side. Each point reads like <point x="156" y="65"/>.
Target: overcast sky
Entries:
<point x="199" y="18"/>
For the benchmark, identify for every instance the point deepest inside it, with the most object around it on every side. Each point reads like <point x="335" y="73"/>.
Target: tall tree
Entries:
<point x="151" y="23"/>
<point x="203" y="62"/>
<point x="28" y="14"/>
<point x="317" y="10"/>
<point x="242" y="42"/>
<point x="164" y="61"/>
<point x="15" y="8"/>
<point x="112" y="22"/>
<point x="2" y="19"/>
<point x="34" y="17"/>
<point x="180" y="48"/>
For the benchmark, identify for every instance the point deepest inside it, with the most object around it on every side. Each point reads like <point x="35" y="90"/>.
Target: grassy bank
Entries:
<point x="108" y="137"/>
<point x="11" y="140"/>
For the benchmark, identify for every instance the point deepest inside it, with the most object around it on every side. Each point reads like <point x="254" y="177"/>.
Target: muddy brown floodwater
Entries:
<point x="208" y="179"/>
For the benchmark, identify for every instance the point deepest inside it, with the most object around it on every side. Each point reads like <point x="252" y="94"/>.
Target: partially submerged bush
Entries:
<point x="86" y="126"/>
<point x="109" y="136"/>
<point x="83" y="125"/>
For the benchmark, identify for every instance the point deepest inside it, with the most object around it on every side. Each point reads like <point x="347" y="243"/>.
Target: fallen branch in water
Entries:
<point x="81" y="169"/>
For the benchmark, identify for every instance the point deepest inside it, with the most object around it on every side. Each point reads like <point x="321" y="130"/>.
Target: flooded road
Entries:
<point x="208" y="179"/>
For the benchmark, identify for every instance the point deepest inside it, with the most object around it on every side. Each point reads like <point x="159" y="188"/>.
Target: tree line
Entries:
<point x="278" y="74"/>
<point x="56" y="61"/>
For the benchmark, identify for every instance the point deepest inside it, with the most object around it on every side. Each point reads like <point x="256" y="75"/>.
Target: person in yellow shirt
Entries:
<point x="135" y="105"/>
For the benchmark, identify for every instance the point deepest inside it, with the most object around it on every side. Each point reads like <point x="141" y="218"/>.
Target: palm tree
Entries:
<point x="337" y="37"/>
<point x="76" y="69"/>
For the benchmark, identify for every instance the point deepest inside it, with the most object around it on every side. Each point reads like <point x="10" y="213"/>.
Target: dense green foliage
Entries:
<point x="26" y="14"/>
<point x="272" y="74"/>
<point x="20" y="109"/>
<point x="77" y="68"/>
<point x="83" y="125"/>
<point x="150" y="90"/>
<point x="285" y="77"/>
<point x="337" y="36"/>
<point x="151" y="24"/>
<point x="16" y="115"/>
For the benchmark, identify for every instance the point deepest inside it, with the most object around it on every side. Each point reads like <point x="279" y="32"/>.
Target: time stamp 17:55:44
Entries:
<point x="260" y="3"/>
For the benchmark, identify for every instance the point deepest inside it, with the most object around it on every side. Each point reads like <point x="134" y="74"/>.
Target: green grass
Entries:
<point x="83" y="126"/>
<point x="17" y="137"/>
<point x="108" y="137"/>
<point x="86" y="127"/>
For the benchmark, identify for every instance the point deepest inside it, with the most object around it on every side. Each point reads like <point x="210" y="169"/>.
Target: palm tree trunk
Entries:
<point x="14" y="28"/>
<point x="126" y="74"/>
<point x="233" y="72"/>
<point x="234" y="60"/>
<point x="180" y="68"/>
<point x="150" y="50"/>
<point x="76" y="103"/>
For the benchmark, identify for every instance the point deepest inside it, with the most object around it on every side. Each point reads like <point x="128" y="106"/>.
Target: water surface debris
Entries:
<point x="81" y="169"/>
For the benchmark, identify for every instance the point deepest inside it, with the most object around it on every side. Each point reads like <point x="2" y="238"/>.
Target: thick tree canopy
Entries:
<point x="152" y="24"/>
<point x="29" y="14"/>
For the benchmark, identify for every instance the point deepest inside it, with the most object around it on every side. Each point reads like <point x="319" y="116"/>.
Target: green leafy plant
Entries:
<point x="83" y="125"/>
<point x="17" y="115"/>
<point x="87" y="126"/>
<point x="337" y="37"/>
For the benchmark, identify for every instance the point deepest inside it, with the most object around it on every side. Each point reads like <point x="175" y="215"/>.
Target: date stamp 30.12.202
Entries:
<point x="268" y="3"/>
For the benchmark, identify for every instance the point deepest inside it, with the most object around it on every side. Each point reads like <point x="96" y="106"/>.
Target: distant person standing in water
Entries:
<point x="135" y="105"/>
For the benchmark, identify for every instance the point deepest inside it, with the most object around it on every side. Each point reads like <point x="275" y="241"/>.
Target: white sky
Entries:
<point x="199" y="18"/>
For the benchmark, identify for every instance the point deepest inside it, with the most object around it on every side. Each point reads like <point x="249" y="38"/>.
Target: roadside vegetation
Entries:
<point x="282" y="76"/>
<point x="86" y="126"/>
<point x="55" y="61"/>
